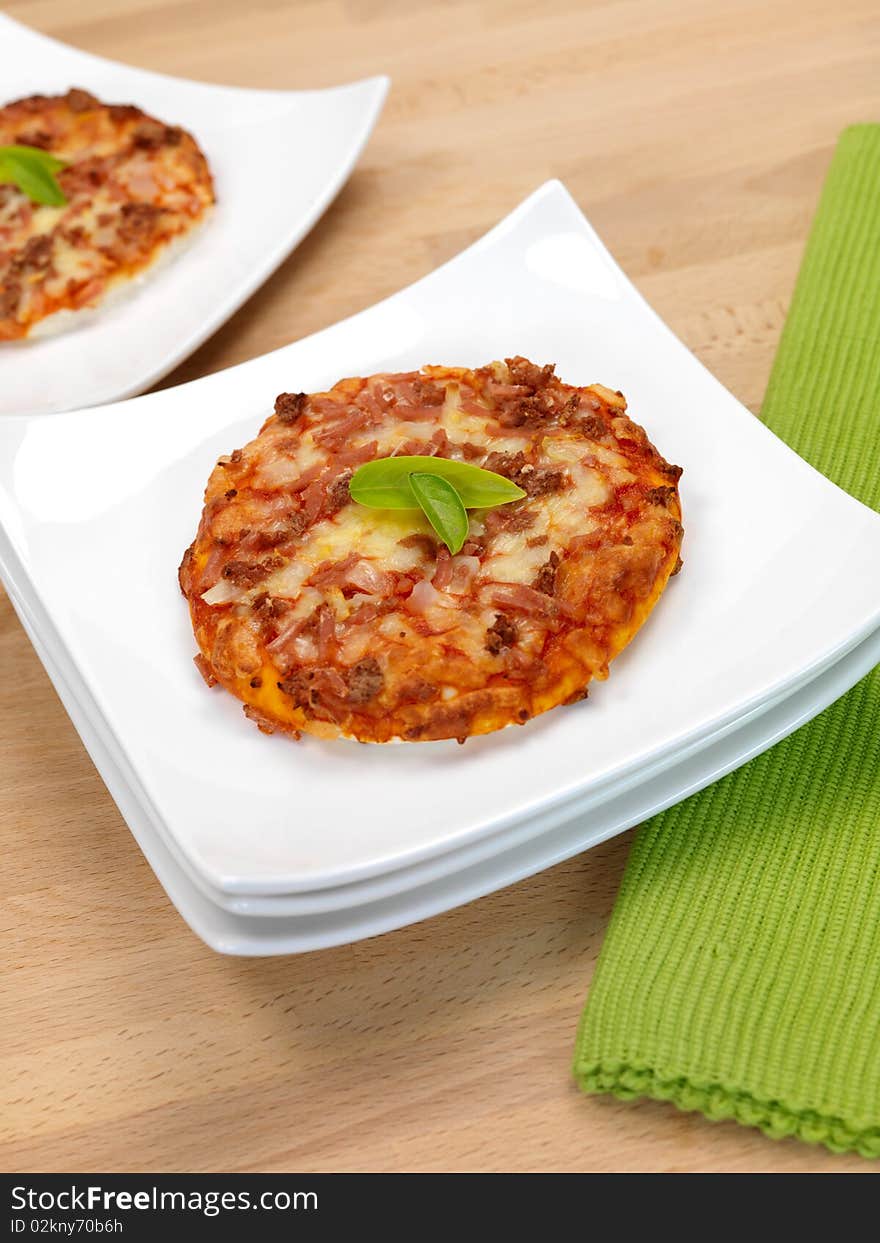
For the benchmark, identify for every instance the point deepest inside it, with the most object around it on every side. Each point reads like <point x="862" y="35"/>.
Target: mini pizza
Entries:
<point x="133" y="186"/>
<point x="325" y="616"/>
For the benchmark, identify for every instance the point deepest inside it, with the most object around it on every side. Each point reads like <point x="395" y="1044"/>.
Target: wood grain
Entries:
<point x="696" y="136"/>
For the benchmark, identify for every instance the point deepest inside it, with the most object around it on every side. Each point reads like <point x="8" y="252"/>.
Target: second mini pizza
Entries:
<point x="130" y="186"/>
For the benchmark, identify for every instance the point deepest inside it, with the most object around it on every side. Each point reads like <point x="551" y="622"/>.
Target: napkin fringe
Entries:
<point x="720" y="1104"/>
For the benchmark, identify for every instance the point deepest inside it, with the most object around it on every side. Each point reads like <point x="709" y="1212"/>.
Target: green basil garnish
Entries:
<point x="33" y="171"/>
<point x="443" y="507"/>
<point x="444" y="491"/>
<point x="384" y="484"/>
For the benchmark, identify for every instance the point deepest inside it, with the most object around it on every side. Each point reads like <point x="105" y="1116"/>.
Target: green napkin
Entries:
<point x="741" y="971"/>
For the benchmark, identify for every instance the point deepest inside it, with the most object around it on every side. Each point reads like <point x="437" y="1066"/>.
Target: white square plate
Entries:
<point x="776" y="586"/>
<point x="278" y="158"/>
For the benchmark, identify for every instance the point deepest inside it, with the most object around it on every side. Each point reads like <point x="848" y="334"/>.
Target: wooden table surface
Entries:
<point x="696" y="136"/>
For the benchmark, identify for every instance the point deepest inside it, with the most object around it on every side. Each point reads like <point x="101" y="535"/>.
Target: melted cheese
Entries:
<point x="460" y="426"/>
<point x="374" y="534"/>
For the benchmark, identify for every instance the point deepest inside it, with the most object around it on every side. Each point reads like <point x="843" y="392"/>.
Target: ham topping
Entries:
<point x="521" y="598"/>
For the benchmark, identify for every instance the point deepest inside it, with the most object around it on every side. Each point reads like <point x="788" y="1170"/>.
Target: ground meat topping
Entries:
<point x="542" y="404"/>
<point x="289" y="406"/>
<point x="35" y="255"/>
<point x="428" y="394"/>
<point x="324" y="690"/>
<point x="338" y="494"/>
<point x="138" y="220"/>
<point x="524" y="372"/>
<point x="79" y="100"/>
<point x="509" y="518"/>
<point x="593" y="427"/>
<point x="249" y="573"/>
<point x="297" y="687"/>
<point x="502" y="633"/>
<point x="541" y="480"/>
<point x="419" y="690"/>
<point x="535" y="480"/>
<point x="35" y="138"/>
<point x="123" y="112"/>
<point x="507" y="464"/>
<point x="365" y="681"/>
<point x="545" y="579"/>
<point x="280" y="532"/>
<point x="150" y="135"/>
<point x="269" y="606"/>
<point x="659" y="496"/>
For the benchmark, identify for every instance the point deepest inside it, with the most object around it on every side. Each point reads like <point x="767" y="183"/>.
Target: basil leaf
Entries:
<point x="443" y="507"/>
<point x="35" y="155"/>
<point x="385" y="483"/>
<point x="33" y="171"/>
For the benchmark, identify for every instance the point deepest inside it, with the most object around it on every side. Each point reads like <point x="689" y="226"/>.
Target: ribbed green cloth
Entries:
<point x="741" y="971"/>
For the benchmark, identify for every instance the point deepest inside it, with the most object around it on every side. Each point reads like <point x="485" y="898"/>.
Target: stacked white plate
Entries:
<point x="267" y="846"/>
